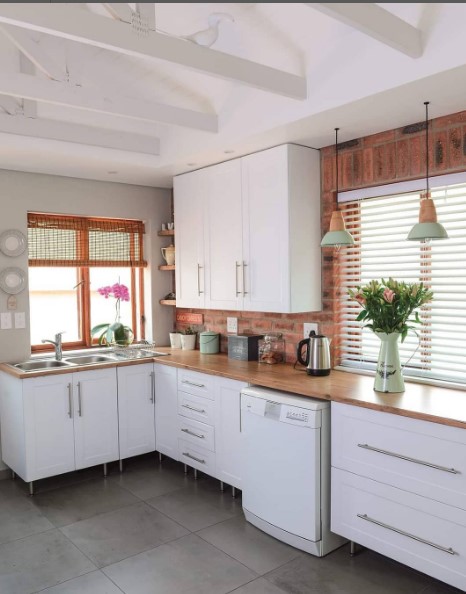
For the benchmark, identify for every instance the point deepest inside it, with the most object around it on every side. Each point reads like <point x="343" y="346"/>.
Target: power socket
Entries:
<point x="308" y="328"/>
<point x="232" y="325"/>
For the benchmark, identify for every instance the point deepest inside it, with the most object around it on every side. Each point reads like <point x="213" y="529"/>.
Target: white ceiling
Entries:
<point x="354" y="81"/>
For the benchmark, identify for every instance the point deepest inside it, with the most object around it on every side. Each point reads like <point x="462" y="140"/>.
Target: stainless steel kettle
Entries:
<point x="317" y="356"/>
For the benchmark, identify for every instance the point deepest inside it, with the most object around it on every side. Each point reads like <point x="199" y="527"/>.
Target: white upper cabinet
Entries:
<point x="261" y="232"/>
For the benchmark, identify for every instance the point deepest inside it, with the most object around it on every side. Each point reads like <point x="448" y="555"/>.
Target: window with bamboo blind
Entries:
<point x="380" y="227"/>
<point x="70" y="257"/>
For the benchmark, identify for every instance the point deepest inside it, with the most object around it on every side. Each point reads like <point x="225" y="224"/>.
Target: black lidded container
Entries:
<point x="244" y="347"/>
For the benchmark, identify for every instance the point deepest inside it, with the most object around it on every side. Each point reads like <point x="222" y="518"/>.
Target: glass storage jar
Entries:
<point x="272" y="348"/>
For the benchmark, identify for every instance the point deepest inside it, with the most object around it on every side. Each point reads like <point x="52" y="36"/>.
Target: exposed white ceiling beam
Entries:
<point x="119" y="11"/>
<point x="24" y="86"/>
<point x="375" y="21"/>
<point x="77" y="133"/>
<point x="69" y="22"/>
<point x="32" y="50"/>
<point x="27" y="67"/>
<point x="147" y="12"/>
<point x="9" y="104"/>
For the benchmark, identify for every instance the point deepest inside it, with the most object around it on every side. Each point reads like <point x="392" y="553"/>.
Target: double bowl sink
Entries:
<point x="88" y="359"/>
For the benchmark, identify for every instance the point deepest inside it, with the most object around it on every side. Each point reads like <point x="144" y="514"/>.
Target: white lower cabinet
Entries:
<point x="398" y="488"/>
<point x="58" y="423"/>
<point x="136" y="409"/>
<point x="166" y="411"/>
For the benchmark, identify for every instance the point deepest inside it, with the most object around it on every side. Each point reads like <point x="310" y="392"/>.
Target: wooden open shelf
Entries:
<point x="166" y="233"/>
<point x="167" y="267"/>
<point x="167" y="301"/>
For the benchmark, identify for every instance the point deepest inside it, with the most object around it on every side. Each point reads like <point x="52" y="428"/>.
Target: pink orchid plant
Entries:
<point x="116" y="332"/>
<point x="388" y="305"/>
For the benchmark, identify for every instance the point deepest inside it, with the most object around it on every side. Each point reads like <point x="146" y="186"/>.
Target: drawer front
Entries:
<point x="196" y="457"/>
<point x="199" y="384"/>
<point x="199" y="434"/>
<point x="417" y="456"/>
<point x="196" y="407"/>
<point x="424" y="534"/>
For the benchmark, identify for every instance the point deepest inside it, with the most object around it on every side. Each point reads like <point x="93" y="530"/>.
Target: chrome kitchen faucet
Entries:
<point x="57" y="344"/>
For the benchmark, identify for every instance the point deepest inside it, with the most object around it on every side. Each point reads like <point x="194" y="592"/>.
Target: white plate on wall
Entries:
<point x="12" y="280"/>
<point x="12" y="242"/>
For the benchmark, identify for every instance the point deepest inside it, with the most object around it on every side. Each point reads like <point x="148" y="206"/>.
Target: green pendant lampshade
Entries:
<point x="428" y="228"/>
<point x="337" y="235"/>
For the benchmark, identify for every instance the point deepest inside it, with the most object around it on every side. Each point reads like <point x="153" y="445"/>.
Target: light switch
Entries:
<point x="232" y="325"/>
<point x="5" y="320"/>
<point x="20" y="319"/>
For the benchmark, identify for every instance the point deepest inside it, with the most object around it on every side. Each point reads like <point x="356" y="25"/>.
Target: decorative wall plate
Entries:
<point x="12" y="280"/>
<point x="12" y="242"/>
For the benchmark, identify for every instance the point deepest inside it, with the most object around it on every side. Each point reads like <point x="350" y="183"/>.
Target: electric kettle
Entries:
<point x="317" y="356"/>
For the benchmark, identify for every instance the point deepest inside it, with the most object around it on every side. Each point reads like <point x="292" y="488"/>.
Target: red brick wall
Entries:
<point x="387" y="157"/>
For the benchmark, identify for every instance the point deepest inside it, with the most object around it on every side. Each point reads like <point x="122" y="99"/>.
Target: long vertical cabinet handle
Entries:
<point x="199" y="292"/>
<point x="70" y="400"/>
<point x="80" y="402"/>
<point x="244" y="278"/>
<point x="236" y="278"/>
<point x="152" y="386"/>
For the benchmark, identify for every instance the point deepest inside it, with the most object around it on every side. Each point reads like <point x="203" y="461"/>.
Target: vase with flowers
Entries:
<point x="387" y="309"/>
<point x="114" y="332"/>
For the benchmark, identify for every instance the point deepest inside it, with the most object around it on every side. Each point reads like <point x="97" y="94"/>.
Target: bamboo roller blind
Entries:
<point x="60" y="240"/>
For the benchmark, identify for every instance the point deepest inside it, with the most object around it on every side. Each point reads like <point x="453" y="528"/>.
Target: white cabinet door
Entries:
<point x="228" y="431"/>
<point x="189" y="245"/>
<point x="95" y="417"/>
<point x="136" y="418"/>
<point x="166" y="411"/>
<point x="224" y="288"/>
<point x="48" y="426"/>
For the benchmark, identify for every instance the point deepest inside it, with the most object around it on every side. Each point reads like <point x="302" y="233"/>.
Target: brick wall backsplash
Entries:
<point x="386" y="157"/>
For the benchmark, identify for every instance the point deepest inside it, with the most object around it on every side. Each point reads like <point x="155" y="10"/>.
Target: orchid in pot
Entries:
<point x="387" y="309"/>
<point x="115" y="332"/>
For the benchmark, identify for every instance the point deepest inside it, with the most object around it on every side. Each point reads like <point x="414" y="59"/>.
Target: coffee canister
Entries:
<point x="209" y="342"/>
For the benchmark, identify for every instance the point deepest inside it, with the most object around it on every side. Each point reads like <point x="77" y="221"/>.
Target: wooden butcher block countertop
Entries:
<point x="420" y="401"/>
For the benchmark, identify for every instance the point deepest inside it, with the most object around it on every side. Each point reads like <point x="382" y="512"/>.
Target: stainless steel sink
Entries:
<point x="88" y="359"/>
<point x="38" y="365"/>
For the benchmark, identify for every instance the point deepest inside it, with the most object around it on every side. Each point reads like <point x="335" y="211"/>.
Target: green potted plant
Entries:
<point x="188" y="339"/>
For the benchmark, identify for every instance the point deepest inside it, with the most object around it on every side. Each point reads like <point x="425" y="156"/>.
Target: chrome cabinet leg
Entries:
<point x="13" y="475"/>
<point x="233" y="492"/>
<point x="186" y="469"/>
<point x="195" y="474"/>
<point x="355" y="549"/>
<point x="105" y="469"/>
<point x="31" y="488"/>
<point x="121" y="465"/>
<point x="222" y="486"/>
<point x="160" y="457"/>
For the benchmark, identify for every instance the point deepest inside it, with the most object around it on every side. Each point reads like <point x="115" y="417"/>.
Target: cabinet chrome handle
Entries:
<point x="198" y="410"/>
<point x="236" y="278"/>
<point x="80" y="402"/>
<point x="244" y="279"/>
<point x="193" y="433"/>
<point x="193" y="384"/>
<point x="70" y="401"/>
<point x="188" y="455"/>
<point x="449" y="550"/>
<point x="152" y="386"/>
<point x="365" y="446"/>
<point x="199" y="292"/>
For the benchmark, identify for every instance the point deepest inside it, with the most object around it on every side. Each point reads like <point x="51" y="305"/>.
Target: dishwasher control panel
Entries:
<point x="283" y="413"/>
<point x="296" y="416"/>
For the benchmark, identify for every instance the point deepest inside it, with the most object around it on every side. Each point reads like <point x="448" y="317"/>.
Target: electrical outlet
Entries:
<point x="309" y="327"/>
<point x="5" y="320"/>
<point x="20" y="319"/>
<point x="232" y="325"/>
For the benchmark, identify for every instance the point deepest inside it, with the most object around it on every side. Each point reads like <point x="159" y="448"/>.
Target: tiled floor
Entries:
<point x="153" y="530"/>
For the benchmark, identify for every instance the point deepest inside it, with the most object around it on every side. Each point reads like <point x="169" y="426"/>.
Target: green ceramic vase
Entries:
<point x="388" y="375"/>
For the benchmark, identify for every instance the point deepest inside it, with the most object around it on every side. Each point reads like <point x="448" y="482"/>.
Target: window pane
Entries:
<point x="103" y="310"/>
<point x="53" y="303"/>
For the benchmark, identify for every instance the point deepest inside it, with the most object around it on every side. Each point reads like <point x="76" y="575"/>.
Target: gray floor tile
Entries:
<point x="91" y="583"/>
<point x="81" y="501"/>
<point x="199" y="505"/>
<point x="151" y="479"/>
<point x="259" y="586"/>
<point x="252" y="547"/>
<point x="437" y="587"/>
<point x="18" y="516"/>
<point x="188" y="565"/>
<point x="113" y="536"/>
<point x="40" y="561"/>
<point x="338" y="573"/>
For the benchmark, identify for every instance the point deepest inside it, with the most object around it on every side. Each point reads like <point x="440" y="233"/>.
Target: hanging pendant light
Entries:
<point x="337" y="235"/>
<point x="428" y="228"/>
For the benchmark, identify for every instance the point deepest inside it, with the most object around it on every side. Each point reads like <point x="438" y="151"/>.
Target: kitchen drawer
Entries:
<point x="197" y="457"/>
<point x="424" y="534"/>
<point x="199" y="384"/>
<point x="417" y="456"/>
<point x="197" y="433"/>
<point x="196" y="407"/>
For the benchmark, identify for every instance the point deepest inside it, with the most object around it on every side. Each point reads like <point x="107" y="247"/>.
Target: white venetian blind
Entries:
<point x="380" y="227"/>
